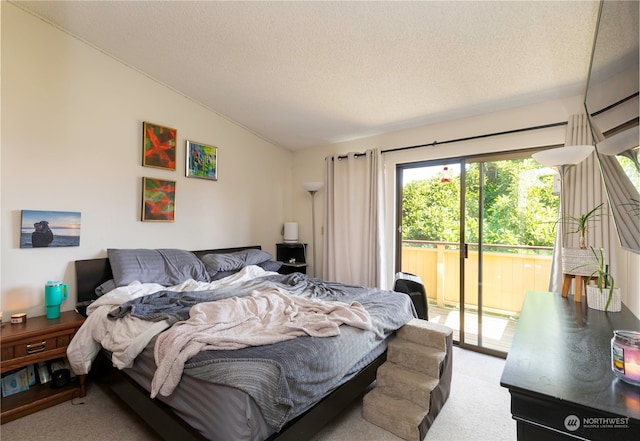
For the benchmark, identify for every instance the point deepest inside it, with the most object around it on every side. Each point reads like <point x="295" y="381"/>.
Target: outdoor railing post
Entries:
<point x="440" y="276"/>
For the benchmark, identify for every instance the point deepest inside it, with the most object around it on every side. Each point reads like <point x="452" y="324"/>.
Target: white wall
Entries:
<point x="308" y="166"/>
<point x="72" y="141"/>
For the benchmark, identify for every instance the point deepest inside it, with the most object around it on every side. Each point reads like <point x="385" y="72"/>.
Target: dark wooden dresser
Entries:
<point x="558" y="373"/>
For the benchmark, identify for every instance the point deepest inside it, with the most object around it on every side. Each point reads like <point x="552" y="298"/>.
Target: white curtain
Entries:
<point x="353" y="218"/>
<point x="583" y="190"/>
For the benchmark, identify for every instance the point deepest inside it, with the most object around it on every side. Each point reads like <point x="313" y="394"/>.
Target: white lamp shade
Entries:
<point x="312" y="186"/>
<point x="291" y="232"/>
<point x="620" y="142"/>
<point x="568" y="155"/>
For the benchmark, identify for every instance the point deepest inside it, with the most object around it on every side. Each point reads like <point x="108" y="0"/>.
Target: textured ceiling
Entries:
<point x="302" y="74"/>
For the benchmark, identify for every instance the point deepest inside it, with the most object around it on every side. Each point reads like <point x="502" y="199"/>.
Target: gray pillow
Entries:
<point x="106" y="287"/>
<point x="234" y="261"/>
<point x="164" y="266"/>
<point x="270" y="265"/>
<point x="222" y="274"/>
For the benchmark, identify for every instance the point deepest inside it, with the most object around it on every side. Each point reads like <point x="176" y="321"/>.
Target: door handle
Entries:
<point x="466" y="250"/>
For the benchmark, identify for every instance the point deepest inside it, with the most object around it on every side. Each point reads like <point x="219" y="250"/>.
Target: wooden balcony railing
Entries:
<point x="506" y="275"/>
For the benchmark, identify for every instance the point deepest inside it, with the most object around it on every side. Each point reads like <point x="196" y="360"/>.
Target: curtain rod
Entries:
<point x="355" y="155"/>
<point x="469" y="138"/>
<point x="617" y="103"/>
<point x="507" y="132"/>
<point x="487" y="135"/>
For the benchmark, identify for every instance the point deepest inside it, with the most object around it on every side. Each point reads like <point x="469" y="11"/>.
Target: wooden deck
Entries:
<point x="498" y="330"/>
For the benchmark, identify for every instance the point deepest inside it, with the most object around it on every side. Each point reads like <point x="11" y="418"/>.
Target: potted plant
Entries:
<point x="580" y="224"/>
<point x="579" y="261"/>
<point x="603" y="295"/>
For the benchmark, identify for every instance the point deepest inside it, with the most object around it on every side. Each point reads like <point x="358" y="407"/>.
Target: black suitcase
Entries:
<point x="412" y="285"/>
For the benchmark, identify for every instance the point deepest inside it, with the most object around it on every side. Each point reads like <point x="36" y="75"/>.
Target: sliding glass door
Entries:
<point x="478" y="266"/>
<point x="429" y="234"/>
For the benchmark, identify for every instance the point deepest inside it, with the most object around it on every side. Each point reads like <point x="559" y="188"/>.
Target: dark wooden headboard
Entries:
<point x="92" y="273"/>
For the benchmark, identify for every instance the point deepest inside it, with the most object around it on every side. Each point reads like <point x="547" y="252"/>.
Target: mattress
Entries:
<point x="218" y="412"/>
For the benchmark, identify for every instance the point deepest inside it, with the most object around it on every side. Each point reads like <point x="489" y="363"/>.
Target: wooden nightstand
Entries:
<point x="38" y="340"/>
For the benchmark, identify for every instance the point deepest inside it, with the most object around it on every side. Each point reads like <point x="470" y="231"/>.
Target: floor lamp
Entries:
<point x="561" y="159"/>
<point x="312" y="188"/>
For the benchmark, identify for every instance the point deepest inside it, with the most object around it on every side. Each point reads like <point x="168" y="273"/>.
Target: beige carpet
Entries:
<point x="477" y="410"/>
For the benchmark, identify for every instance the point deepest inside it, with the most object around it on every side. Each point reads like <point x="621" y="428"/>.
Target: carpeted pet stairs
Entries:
<point x="415" y="381"/>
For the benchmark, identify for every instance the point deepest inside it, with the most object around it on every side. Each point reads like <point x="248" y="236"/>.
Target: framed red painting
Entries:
<point x="158" y="146"/>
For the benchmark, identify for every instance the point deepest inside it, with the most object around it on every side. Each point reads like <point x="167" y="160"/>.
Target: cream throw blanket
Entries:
<point x="263" y="318"/>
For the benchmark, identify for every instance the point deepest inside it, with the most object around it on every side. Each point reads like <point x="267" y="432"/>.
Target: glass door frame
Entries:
<point x="398" y="227"/>
<point x="462" y="249"/>
<point x="481" y="159"/>
<point x="463" y="246"/>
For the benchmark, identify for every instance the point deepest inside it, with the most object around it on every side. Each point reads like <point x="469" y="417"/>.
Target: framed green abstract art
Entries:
<point x="202" y="161"/>
<point x="158" y="200"/>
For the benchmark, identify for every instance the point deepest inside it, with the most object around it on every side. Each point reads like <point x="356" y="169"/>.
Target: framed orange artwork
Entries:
<point x="158" y="146"/>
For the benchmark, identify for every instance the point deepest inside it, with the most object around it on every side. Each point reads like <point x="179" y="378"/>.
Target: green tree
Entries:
<point x="430" y="210"/>
<point x="519" y="207"/>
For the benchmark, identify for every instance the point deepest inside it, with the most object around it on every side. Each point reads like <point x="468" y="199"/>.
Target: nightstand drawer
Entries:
<point x="36" y="348"/>
<point x="37" y="345"/>
<point x="39" y="340"/>
<point x="22" y="350"/>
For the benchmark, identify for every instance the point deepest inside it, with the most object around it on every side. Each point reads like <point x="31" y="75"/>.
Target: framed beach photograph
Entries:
<point x="48" y="229"/>
<point x="202" y="161"/>
<point x="158" y="200"/>
<point x="158" y="146"/>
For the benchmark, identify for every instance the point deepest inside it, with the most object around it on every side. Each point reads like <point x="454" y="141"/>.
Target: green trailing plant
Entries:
<point x="603" y="277"/>
<point x="580" y="224"/>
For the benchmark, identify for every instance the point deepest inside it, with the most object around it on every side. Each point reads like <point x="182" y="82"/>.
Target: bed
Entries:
<point x="206" y="403"/>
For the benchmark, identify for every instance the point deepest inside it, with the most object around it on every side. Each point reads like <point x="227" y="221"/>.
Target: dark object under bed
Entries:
<point x="159" y="416"/>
